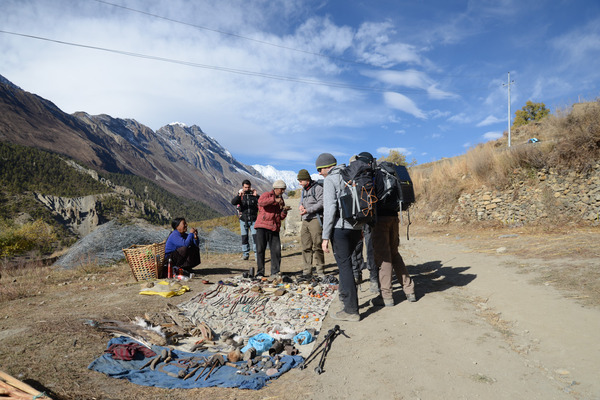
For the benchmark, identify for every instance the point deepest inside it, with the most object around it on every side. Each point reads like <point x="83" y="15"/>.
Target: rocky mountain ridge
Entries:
<point x="181" y="159"/>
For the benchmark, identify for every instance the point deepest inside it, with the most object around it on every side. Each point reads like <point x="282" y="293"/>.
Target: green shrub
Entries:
<point x="34" y="236"/>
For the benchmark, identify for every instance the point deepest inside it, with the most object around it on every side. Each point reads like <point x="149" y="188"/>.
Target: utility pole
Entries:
<point x="509" y="83"/>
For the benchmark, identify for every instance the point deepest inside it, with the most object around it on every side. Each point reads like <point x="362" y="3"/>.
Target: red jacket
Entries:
<point x="270" y="213"/>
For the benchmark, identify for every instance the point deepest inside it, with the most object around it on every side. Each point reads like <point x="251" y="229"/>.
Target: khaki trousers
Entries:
<point x="310" y="237"/>
<point x="386" y="239"/>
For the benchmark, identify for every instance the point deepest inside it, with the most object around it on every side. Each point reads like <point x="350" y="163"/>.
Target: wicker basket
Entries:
<point x="145" y="260"/>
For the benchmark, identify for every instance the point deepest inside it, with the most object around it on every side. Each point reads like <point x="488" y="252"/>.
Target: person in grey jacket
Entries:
<point x="311" y="212"/>
<point x="343" y="236"/>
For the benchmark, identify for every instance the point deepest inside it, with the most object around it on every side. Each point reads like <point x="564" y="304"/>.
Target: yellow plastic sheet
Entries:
<point x="166" y="289"/>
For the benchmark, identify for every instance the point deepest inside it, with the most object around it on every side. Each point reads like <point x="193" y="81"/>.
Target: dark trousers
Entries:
<point x="184" y="257"/>
<point x="358" y="263"/>
<point x="264" y="236"/>
<point x="344" y="242"/>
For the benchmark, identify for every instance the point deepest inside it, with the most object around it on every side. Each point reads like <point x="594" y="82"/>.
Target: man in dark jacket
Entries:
<point x="246" y="202"/>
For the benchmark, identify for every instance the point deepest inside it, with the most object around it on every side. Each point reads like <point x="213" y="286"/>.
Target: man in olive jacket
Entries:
<point x="311" y="212"/>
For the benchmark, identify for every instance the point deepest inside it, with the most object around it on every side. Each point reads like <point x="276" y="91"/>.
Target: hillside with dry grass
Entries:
<point x="568" y="143"/>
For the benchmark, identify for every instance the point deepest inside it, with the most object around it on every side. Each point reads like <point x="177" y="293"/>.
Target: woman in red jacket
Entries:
<point x="271" y="211"/>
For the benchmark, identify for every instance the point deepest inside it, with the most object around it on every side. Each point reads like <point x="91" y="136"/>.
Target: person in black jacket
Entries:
<point x="246" y="202"/>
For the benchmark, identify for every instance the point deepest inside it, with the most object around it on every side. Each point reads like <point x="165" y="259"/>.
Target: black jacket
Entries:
<point x="247" y="206"/>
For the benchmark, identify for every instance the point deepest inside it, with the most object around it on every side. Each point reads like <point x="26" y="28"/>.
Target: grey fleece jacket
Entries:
<point x="331" y="203"/>
<point x="312" y="200"/>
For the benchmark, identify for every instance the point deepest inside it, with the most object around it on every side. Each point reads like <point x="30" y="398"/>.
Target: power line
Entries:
<point x="225" y="69"/>
<point x="263" y="42"/>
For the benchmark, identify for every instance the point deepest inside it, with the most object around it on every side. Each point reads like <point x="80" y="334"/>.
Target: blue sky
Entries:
<point x="279" y="82"/>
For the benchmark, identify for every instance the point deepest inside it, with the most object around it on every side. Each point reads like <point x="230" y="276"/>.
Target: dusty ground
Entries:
<point x="502" y="314"/>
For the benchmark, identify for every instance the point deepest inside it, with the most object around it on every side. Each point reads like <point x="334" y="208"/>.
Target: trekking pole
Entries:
<point x="314" y="353"/>
<point x="319" y="368"/>
<point x="304" y="363"/>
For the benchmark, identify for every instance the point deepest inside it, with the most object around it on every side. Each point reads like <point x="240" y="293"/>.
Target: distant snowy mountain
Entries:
<point x="289" y="177"/>
<point x="272" y="174"/>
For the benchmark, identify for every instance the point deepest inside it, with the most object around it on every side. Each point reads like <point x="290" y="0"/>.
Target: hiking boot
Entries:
<point x="374" y="287"/>
<point x="344" y="316"/>
<point x="245" y="256"/>
<point x="411" y="297"/>
<point x="381" y="302"/>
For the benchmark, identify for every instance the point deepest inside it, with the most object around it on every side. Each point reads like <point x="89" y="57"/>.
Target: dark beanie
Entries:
<point x="325" y="160"/>
<point x="365" y="156"/>
<point x="303" y="175"/>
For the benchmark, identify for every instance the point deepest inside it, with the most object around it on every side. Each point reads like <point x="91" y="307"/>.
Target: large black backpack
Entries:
<point x="395" y="188"/>
<point x="358" y="198"/>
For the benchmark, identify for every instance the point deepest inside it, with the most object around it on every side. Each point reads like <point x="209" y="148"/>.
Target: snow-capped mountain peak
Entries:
<point x="181" y="124"/>
<point x="272" y="174"/>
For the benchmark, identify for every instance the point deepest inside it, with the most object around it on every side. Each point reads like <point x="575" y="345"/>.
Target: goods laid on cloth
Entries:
<point x="176" y="369"/>
<point x="145" y="260"/>
<point x="248" y="308"/>
<point x="12" y="388"/>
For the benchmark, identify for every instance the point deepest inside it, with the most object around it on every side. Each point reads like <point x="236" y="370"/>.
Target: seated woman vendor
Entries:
<point x="182" y="247"/>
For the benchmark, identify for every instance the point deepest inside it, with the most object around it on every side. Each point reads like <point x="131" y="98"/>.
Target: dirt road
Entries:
<point x="480" y="329"/>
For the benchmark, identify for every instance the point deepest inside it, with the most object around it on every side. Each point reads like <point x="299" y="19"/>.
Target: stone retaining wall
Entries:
<point x="545" y="197"/>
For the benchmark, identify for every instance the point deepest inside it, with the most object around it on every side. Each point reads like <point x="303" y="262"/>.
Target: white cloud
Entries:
<point x="438" y="94"/>
<point x="439" y="114"/>
<point x="410" y="78"/>
<point x="461" y="118"/>
<point x="400" y="102"/>
<point x="374" y="46"/>
<point x="489" y="120"/>
<point x="579" y="44"/>
<point x="545" y="87"/>
<point x="400" y="131"/>
<point x="498" y="93"/>
<point x="492" y="135"/>
<point x="386" y="150"/>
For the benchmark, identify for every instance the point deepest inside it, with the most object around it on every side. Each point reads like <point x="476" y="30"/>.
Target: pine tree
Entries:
<point x="530" y="112"/>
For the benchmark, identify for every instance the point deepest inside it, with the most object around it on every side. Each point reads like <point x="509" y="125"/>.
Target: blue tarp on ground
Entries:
<point x="223" y="376"/>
